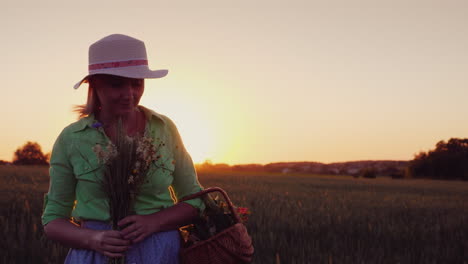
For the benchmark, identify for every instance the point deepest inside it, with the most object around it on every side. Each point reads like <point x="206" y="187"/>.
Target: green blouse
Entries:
<point x="75" y="172"/>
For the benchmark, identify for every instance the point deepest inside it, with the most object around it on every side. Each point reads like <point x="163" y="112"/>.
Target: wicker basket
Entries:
<point x="231" y="245"/>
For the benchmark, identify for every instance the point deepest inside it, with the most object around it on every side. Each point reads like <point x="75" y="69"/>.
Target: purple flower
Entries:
<point x="96" y="124"/>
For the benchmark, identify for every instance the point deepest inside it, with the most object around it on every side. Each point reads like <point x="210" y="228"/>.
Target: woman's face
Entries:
<point x="118" y="95"/>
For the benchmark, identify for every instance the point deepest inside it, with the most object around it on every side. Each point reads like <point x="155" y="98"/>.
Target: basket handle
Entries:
<point x="214" y="189"/>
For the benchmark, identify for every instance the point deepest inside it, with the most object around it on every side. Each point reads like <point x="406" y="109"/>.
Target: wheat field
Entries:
<point x="295" y="218"/>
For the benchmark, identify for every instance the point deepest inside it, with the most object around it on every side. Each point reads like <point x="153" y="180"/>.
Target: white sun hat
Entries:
<point x="119" y="55"/>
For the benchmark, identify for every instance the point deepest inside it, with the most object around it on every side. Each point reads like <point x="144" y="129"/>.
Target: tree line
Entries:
<point x="448" y="160"/>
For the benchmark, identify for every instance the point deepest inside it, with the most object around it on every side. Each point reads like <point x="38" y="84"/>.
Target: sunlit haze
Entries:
<point x="253" y="81"/>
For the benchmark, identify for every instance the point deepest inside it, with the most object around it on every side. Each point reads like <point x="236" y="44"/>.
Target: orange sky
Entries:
<point x="253" y="82"/>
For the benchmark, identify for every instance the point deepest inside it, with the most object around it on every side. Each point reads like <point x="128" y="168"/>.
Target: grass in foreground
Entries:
<point x="296" y="218"/>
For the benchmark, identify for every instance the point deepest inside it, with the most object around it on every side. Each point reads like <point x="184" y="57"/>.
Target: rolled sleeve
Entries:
<point x="59" y="201"/>
<point x="185" y="176"/>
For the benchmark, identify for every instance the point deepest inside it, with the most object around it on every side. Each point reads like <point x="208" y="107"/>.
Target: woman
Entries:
<point x="117" y="68"/>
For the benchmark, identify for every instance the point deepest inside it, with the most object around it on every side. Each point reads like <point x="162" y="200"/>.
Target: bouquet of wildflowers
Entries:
<point x="127" y="162"/>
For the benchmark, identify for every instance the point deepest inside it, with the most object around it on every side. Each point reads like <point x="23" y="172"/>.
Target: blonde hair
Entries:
<point x="92" y="105"/>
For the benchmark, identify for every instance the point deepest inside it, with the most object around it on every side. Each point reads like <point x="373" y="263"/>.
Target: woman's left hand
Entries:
<point x="138" y="227"/>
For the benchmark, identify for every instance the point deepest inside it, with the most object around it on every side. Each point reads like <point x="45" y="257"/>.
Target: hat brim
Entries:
<point x="137" y="72"/>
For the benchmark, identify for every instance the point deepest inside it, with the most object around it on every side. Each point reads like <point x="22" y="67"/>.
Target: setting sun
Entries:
<point x="197" y="134"/>
<point x="195" y="127"/>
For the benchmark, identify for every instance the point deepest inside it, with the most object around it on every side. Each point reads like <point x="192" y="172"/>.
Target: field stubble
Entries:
<point x="295" y="218"/>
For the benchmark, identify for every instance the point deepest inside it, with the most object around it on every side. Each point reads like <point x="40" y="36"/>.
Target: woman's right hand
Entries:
<point x="109" y="243"/>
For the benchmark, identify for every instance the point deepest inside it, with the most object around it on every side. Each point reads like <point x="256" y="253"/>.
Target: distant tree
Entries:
<point x="394" y="172"/>
<point x="249" y="167"/>
<point x="369" y="173"/>
<point x="208" y="165"/>
<point x="47" y="155"/>
<point x="30" y="154"/>
<point x="343" y="171"/>
<point x="449" y="160"/>
<point x="398" y="174"/>
<point x="3" y="162"/>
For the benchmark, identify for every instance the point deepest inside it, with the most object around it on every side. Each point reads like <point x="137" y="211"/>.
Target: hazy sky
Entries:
<point x="253" y="81"/>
